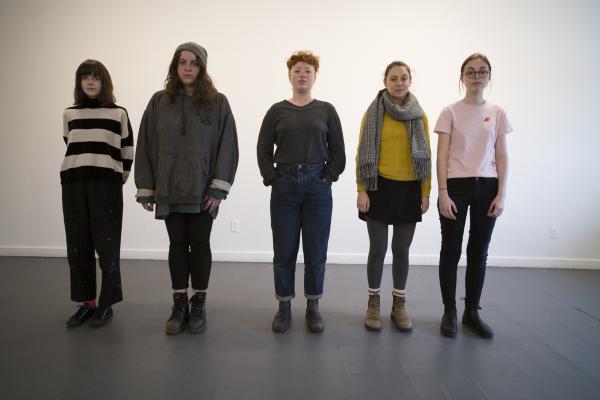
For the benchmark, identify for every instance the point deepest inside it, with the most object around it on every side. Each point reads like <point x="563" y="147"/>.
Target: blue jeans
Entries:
<point x="476" y="194"/>
<point x="300" y="202"/>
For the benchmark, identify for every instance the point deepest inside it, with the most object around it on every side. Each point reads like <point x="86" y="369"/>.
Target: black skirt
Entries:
<point x="394" y="202"/>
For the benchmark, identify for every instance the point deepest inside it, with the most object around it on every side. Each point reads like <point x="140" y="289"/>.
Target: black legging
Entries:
<point x="189" y="249"/>
<point x="401" y="241"/>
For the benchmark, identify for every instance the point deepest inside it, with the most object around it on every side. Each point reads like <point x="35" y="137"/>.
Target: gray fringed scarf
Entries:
<point x="411" y="112"/>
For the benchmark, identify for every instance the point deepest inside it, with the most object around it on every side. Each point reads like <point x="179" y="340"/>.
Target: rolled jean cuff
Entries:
<point x="313" y="296"/>
<point x="284" y="298"/>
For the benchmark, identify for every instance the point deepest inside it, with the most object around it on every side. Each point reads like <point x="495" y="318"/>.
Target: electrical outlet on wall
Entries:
<point x="553" y="232"/>
<point x="235" y="225"/>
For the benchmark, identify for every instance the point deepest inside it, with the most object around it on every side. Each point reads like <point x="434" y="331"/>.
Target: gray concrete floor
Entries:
<point x="547" y="343"/>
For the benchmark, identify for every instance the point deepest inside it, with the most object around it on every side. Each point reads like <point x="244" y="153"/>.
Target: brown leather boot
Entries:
<point x="373" y="319"/>
<point x="399" y="315"/>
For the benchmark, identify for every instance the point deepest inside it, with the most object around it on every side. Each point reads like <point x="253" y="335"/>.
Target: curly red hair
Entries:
<point x="303" y="56"/>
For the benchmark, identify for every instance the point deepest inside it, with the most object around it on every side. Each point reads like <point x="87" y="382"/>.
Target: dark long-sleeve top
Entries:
<point x="185" y="150"/>
<point x="310" y="134"/>
<point x="99" y="143"/>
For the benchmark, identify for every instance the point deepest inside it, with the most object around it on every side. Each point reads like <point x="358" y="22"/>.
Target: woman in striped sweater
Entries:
<point x="96" y="165"/>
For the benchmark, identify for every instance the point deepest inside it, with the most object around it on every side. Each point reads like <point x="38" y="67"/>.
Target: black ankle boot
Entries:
<point x="179" y="314"/>
<point x="472" y="320"/>
<point x="283" y="317"/>
<point x="449" y="325"/>
<point x="314" y="321"/>
<point x="197" y="321"/>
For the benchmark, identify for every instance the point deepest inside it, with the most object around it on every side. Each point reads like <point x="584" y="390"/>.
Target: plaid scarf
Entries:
<point x="368" y="150"/>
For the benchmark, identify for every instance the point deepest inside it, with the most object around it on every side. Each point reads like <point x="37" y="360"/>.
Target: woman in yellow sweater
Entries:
<point x="393" y="179"/>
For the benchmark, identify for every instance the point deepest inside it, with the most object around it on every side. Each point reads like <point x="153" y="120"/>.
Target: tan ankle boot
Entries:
<point x="399" y="315"/>
<point x="373" y="320"/>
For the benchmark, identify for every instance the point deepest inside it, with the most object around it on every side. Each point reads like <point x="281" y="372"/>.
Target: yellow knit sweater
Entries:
<point x="395" y="160"/>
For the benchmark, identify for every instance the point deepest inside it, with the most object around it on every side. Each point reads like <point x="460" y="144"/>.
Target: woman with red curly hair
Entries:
<point x="309" y="156"/>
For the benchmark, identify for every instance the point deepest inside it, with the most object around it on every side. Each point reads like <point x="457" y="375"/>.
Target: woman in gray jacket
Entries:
<point x="187" y="156"/>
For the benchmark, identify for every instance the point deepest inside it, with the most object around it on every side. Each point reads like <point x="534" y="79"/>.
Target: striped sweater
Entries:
<point x="99" y="143"/>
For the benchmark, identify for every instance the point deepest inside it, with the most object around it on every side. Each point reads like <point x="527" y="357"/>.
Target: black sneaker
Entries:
<point x="84" y="312"/>
<point x="102" y="316"/>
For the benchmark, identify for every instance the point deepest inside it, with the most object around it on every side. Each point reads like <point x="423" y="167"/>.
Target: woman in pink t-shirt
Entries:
<point x="472" y="165"/>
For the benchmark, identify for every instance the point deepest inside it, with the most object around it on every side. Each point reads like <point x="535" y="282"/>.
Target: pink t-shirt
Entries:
<point x="473" y="131"/>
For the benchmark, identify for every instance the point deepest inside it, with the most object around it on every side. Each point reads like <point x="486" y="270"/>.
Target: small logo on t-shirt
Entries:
<point x="206" y="119"/>
<point x="486" y="119"/>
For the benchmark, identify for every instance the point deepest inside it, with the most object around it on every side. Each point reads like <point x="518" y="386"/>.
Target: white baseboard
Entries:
<point x="332" y="258"/>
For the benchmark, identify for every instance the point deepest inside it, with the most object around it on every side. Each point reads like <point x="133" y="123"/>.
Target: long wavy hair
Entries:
<point x="204" y="89"/>
<point x="106" y="96"/>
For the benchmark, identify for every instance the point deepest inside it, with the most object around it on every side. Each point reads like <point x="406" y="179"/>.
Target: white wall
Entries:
<point x="545" y="74"/>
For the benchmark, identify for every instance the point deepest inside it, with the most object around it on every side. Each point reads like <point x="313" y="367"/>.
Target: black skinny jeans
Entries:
<point x="189" y="249"/>
<point x="476" y="194"/>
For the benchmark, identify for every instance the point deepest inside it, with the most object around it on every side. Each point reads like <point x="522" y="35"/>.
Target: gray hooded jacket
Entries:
<point x="183" y="150"/>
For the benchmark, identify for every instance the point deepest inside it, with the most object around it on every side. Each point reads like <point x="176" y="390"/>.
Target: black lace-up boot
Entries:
<point x="197" y="321"/>
<point x="179" y="314"/>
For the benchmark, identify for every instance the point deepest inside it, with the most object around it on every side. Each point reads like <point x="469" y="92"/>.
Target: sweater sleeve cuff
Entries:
<point x="425" y="188"/>
<point x="272" y="177"/>
<point x="146" y="199"/>
<point x="360" y="186"/>
<point x="216" y="193"/>
<point x="330" y="176"/>
<point x="220" y="185"/>
<point x="144" y="193"/>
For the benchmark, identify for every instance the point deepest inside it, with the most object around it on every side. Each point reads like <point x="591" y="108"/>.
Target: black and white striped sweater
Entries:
<point x="99" y="143"/>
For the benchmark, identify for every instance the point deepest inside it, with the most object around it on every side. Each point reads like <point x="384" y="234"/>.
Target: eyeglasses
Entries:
<point x="482" y="73"/>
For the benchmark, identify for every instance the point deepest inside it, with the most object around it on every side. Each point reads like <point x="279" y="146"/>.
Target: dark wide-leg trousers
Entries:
<point x="93" y="216"/>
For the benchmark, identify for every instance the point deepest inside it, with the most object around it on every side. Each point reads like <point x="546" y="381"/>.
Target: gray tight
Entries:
<point x="401" y="240"/>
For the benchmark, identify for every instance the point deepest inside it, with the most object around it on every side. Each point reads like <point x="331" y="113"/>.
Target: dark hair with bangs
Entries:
<point x="106" y="96"/>
<point x="204" y="89"/>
